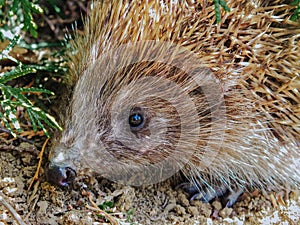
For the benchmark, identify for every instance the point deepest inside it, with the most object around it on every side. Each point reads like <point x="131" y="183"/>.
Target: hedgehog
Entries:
<point x="160" y="88"/>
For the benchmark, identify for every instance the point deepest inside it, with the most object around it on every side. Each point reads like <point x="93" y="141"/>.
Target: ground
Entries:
<point x="156" y="204"/>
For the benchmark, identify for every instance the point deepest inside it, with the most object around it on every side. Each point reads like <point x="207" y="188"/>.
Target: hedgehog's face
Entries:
<point x="140" y="123"/>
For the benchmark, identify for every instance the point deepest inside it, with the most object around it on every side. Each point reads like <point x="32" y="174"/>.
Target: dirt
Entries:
<point x="156" y="204"/>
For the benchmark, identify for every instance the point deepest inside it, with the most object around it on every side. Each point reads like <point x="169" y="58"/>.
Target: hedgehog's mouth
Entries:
<point x="60" y="175"/>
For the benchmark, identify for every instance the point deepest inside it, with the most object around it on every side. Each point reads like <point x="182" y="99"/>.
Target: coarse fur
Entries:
<point x="253" y="53"/>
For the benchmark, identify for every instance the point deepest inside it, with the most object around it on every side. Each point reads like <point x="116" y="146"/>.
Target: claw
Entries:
<point x="232" y="197"/>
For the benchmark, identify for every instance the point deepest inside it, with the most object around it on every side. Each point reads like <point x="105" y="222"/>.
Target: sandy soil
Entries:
<point x="156" y="204"/>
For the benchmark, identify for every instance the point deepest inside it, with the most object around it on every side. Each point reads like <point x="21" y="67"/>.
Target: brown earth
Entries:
<point x="156" y="204"/>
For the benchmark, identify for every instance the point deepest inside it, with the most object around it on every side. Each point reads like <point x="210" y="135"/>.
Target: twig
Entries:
<point x="11" y="210"/>
<point x="97" y="209"/>
<point x="18" y="136"/>
<point x="40" y="157"/>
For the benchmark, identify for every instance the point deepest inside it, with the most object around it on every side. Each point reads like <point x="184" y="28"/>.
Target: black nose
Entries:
<point x="60" y="176"/>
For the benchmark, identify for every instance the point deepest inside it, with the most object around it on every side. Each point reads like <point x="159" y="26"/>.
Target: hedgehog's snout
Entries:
<point x="60" y="175"/>
<point x="61" y="170"/>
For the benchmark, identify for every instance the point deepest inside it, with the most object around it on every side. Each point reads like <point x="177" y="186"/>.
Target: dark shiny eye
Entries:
<point x="136" y="120"/>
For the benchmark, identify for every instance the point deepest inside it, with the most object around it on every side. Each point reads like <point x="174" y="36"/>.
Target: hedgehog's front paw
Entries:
<point x="228" y="196"/>
<point x="232" y="196"/>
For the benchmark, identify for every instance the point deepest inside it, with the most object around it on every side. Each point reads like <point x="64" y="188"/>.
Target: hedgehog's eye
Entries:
<point x="136" y="120"/>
